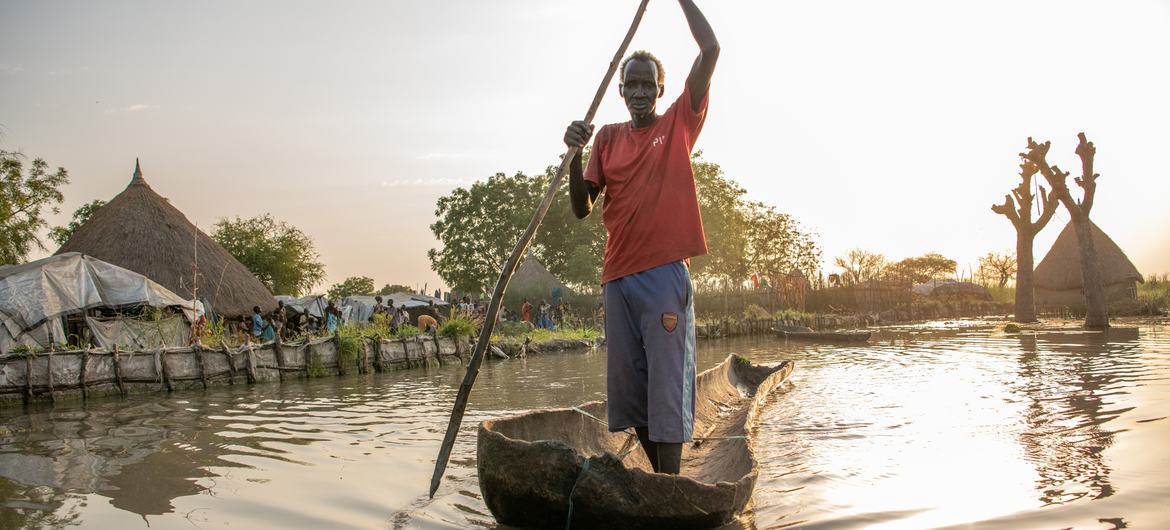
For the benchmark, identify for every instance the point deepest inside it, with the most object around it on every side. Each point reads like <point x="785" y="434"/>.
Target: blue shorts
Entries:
<point x="650" y="338"/>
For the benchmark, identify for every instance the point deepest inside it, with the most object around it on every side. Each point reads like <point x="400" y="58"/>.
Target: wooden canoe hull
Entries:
<point x="532" y="465"/>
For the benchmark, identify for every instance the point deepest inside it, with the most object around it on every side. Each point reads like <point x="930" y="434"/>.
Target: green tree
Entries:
<point x="778" y="245"/>
<point x="478" y="227"/>
<point x="570" y="248"/>
<point x="923" y="268"/>
<point x="394" y="288"/>
<point x="352" y="286"/>
<point x="23" y="201"/>
<point x="279" y="254"/>
<point x="725" y="223"/>
<point x="61" y="234"/>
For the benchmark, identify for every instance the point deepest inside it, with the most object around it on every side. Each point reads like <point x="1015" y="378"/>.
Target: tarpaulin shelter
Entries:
<point x="313" y="304"/>
<point x="362" y="307"/>
<point x="34" y="295"/>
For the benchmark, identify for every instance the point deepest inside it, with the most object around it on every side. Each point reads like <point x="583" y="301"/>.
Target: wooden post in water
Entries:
<point x="377" y="347"/>
<point x="278" y="350"/>
<point x="250" y="362"/>
<point x="81" y="374"/>
<point x="161" y="357"/>
<point x="49" y="372"/>
<point x="197" y="348"/>
<point x="340" y="361"/>
<point x="231" y="363"/>
<point x="118" y="371"/>
<point x="510" y="267"/>
<point x="28" y="356"/>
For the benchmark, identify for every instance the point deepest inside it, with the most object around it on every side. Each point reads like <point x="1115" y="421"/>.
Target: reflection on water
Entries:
<point x="927" y="426"/>
<point x="1068" y="404"/>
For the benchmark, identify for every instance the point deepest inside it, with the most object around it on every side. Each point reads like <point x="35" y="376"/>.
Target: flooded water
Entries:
<point x="925" y="427"/>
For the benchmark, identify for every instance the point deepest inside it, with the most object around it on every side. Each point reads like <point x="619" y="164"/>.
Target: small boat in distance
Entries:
<point x="806" y="334"/>
<point x="563" y="468"/>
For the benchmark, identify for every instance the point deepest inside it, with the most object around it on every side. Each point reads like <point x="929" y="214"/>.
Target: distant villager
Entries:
<point x="427" y="323"/>
<point x="278" y="318"/>
<point x="332" y="317"/>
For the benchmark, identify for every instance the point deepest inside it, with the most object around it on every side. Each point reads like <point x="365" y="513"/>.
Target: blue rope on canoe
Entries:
<point x="584" y="468"/>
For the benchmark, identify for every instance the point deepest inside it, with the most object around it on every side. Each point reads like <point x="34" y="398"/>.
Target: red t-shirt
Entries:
<point x="651" y="211"/>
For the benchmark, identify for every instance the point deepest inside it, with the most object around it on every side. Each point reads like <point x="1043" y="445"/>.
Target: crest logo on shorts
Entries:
<point x="669" y="321"/>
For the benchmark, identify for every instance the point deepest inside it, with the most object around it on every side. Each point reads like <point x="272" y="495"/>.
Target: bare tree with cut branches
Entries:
<point x="997" y="268"/>
<point x="1097" y="311"/>
<point x="1017" y="207"/>
<point x="860" y="266"/>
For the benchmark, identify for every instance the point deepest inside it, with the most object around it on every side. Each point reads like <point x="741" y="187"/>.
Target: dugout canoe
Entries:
<point x="824" y="336"/>
<point x="563" y="468"/>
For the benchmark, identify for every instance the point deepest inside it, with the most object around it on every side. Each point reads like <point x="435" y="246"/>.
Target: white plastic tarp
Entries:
<point x="314" y="304"/>
<point x="363" y="306"/>
<point x="40" y="337"/>
<point x="34" y="292"/>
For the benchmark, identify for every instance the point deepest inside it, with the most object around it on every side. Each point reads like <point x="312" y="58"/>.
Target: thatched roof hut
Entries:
<point x="141" y="231"/>
<point x="1058" y="276"/>
<point x="531" y="274"/>
<point x="533" y="281"/>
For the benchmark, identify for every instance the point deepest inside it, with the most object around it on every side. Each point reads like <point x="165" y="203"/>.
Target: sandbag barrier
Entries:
<point x="48" y="376"/>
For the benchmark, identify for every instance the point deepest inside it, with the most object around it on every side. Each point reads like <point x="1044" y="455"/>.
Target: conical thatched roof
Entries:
<point x="531" y="274"/>
<point x="1061" y="269"/>
<point x="140" y="230"/>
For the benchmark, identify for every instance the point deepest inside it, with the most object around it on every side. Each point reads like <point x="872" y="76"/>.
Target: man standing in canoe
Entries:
<point x="651" y="216"/>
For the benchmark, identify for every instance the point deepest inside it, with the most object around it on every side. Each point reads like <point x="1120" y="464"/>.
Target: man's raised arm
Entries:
<point x="699" y="80"/>
<point x="582" y="193"/>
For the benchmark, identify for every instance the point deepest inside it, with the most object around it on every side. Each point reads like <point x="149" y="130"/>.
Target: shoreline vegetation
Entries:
<point x="225" y="358"/>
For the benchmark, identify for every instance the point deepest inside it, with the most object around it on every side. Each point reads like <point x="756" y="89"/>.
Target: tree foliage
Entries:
<point x="352" y="286"/>
<point x="395" y="288"/>
<point x="24" y="198"/>
<point x="778" y="245"/>
<point x="921" y="269"/>
<point x="479" y="225"/>
<point x="860" y="266"/>
<point x="995" y="267"/>
<point x="279" y="254"/>
<point x="61" y="234"/>
<point x="725" y="223"/>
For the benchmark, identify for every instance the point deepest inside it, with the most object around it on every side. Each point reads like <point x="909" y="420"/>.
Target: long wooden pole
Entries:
<point x="510" y="266"/>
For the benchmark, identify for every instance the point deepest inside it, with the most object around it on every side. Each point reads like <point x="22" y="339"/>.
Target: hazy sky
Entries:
<point x="891" y="126"/>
